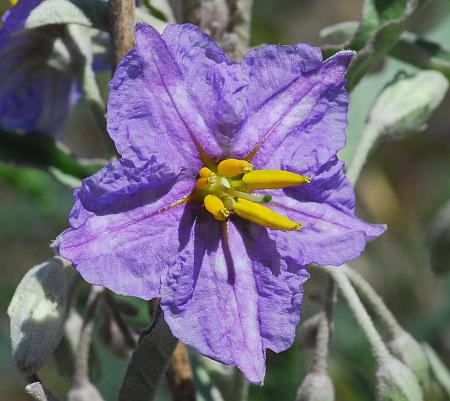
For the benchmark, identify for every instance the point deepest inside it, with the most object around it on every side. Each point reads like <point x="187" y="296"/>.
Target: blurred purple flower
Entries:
<point x="229" y="289"/>
<point x="35" y="93"/>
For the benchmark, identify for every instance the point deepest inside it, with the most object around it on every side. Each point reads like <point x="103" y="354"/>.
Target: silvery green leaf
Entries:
<point x="406" y="105"/>
<point x="37" y="312"/>
<point x="405" y="348"/>
<point x="395" y="382"/>
<point x="439" y="370"/>
<point x="90" y="13"/>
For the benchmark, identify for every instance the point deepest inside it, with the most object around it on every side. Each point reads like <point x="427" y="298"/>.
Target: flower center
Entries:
<point x="230" y="189"/>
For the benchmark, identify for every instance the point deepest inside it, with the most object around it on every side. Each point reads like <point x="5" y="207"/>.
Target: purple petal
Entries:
<point x="126" y="184"/>
<point x="329" y="184"/>
<point x="232" y="306"/>
<point x="329" y="236"/>
<point x="149" y="109"/>
<point x="302" y="124"/>
<point x="274" y="68"/>
<point x="217" y="85"/>
<point x="127" y="252"/>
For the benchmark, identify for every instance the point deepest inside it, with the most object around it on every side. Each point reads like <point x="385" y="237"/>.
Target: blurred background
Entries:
<point x="403" y="185"/>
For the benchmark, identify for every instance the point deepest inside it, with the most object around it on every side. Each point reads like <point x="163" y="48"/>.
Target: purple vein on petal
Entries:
<point x="182" y="201"/>
<point x="267" y="135"/>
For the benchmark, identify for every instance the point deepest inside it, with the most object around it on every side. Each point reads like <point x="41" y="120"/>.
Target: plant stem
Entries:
<point x="374" y="300"/>
<point x="84" y="343"/>
<point x="180" y="376"/>
<point x="121" y="14"/>
<point x="324" y="330"/>
<point x="379" y="350"/>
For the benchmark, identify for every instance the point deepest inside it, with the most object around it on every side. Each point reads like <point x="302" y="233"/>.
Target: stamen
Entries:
<point x="205" y="172"/>
<point x="232" y="167"/>
<point x="250" y="197"/>
<point x="273" y="179"/>
<point x="264" y="216"/>
<point x="215" y="206"/>
<point x="202" y="183"/>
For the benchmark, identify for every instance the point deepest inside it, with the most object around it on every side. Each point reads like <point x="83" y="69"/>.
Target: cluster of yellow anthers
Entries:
<point x="230" y="187"/>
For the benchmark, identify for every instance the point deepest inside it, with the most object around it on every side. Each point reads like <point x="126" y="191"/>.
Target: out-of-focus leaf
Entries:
<point x="387" y="20"/>
<point x="406" y="105"/>
<point x="37" y="312"/>
<point x="90" y="13"/>
<point x="402" y="108"/>
<point x="163" y="7"/>
<point x="422" y="53"/>
<point x="142" y="15"/>
<point x="339" y="33"/>
<point x="227" y="382"/>
<point x="380" y="27"/>
<point x="37" y="150"/>
<point x="410" y="48"/>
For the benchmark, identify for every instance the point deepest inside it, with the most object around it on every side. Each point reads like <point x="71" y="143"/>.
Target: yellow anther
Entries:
<point x="215" y="206"/>
<point x="202" y="183"/>
<point x="205" y="172"/>
<point x="264" y="216"/>
<point x="13" y="2"/>
<point x="232" y="167"/>
<point x="273" y="179"/>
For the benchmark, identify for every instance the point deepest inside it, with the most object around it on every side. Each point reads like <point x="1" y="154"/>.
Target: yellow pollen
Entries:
<point x="264" y="216"/>
<point x="273" y="179"/>
<point x="233" y="167"/>
<point x="215" y="206"/>
<point x="13" y="2"/>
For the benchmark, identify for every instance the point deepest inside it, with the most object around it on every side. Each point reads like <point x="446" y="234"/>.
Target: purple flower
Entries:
<point x="35" y="95"/>
<point x="168" y="220"/>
